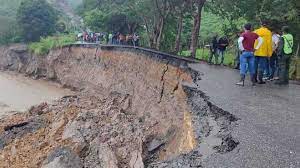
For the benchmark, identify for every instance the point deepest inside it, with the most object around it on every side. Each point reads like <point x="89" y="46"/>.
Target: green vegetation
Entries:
<point x="46" y="44"/>
<point x="9" y="8"/>
<point x="36" y="18"/>
<point x="204" y="54"/>
<point x="9" y="31"/>
<point x="74" y="3"/>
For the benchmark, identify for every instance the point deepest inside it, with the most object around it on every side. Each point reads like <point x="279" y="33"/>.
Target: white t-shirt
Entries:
<point x="275" y="41"/>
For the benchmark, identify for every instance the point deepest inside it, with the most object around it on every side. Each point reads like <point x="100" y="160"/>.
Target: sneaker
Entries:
<point x="241" y="83"/>
<point x="265" y="78"/>
<point x="276" y="78"/>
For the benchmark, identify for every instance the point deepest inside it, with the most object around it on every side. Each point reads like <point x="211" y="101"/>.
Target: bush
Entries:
<point x="203" y="54"/>
<point x="46" y="44"/>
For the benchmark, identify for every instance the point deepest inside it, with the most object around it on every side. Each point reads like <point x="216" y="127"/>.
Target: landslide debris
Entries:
<point x="130" y="109"/>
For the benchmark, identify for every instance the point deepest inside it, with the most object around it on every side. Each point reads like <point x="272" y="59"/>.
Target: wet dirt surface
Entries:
<point x="269" y="125"/>
<point x="18" y="93"/>
<point x="132" y="108"/>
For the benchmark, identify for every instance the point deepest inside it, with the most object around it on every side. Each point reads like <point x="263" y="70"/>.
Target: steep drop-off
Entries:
<point x="132" y="108"/>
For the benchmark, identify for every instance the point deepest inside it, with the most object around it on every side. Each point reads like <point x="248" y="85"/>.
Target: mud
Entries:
<point x="132" y="108"/>
<point x="19" y="93"/>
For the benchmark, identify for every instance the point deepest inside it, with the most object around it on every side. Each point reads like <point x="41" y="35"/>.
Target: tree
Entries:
<point x="94" y="19"/>
<point x="179" y="9"/>
<point x="276" y="12"/>
<point x="36" y="18"/>
<point x="197" y="6"/>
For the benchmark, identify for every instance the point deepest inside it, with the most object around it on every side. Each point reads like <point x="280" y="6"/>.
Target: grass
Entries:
<point x="203" y="54"/>
<point x="46" y="44"/>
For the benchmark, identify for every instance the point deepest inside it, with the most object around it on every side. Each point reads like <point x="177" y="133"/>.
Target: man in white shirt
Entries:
<point x="274" y="57"/>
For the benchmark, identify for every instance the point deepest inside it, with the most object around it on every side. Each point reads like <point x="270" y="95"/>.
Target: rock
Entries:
<point x="72" y="131"/>
<point x="100" y="156"/>
<point x="136" y="160"/>
<point x="38" y="110"/>
<point x="155" y="144"/>
<point x="63" y="158"/>
<point x="19" y="130"/>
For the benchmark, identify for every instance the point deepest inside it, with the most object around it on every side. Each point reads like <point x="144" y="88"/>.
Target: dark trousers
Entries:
<point x="237" y="60"/>
<point x="273" y="66"/>
<point x="267" y="70"/>
<point x="213" y="53"/>
<point x="221" y="53"/>
<point x="284" y="67"/>
<point x="260" y="67"/>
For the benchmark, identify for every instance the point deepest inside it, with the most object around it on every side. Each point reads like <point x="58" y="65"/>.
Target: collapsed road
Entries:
<point x="132" y="107"/>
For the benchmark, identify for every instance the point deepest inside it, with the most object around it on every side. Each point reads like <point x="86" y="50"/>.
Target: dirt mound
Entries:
<point x="132" y="108"/>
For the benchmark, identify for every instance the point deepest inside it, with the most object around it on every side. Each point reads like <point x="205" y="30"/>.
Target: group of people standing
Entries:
<point x="90" y="37"/>
<point x="109" y="38"/>
<point x="217" y="49"/>
<point x="265" y="53"/>
<point x="121" y="39"/>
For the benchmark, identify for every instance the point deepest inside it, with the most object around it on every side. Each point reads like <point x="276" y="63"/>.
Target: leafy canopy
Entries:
<point x="36" y="18"/>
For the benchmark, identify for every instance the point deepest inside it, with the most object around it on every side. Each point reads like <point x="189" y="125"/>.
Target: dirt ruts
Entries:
<point x="132" y="108"/>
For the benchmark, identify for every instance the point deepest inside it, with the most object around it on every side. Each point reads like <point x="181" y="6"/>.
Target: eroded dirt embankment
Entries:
<point x="132" y="108"/>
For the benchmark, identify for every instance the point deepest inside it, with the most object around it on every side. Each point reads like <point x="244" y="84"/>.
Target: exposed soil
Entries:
<point x="131" y="108"/>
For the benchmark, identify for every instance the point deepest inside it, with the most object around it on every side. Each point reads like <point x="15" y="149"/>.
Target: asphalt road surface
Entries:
<point x="269" y="125"/>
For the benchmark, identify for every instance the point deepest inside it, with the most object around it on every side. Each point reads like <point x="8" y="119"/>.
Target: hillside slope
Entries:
<point x="8" y="11"/>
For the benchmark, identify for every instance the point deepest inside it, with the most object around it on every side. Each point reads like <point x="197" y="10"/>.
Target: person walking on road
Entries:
<point x="285" y="50"/>
<point x="263" y="53"/>
<point x="247" y="59"/>
<point x="222" y="45"/>
<point x="214" y="50"/>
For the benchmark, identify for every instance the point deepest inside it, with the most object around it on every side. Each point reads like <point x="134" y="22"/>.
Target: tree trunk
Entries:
<point x="178" y="36"/>
<point x="196" y="28"/>
<point x="159" y="35"/>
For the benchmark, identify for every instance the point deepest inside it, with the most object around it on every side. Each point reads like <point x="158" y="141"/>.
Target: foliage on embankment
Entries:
<point x="46" y="44"/>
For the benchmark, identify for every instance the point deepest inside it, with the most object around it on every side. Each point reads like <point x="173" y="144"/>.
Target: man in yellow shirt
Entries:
<point x="263" y="53"/>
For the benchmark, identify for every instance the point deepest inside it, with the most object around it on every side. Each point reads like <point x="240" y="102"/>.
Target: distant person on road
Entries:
<point x="122" y="39"/>
<point x="136" y="40"/>
<point x="85" y="36"/>
<point x="129" y="39"/>
<point x="285" y="50"/>
<point x="247" y="59"/>
<point x="263" y="53"/>
<point x="80" y="37"/>
<point x="213" y="50"/>
<point x="110" y="38"/>
<point x="238" y="52"/>
<point x="115" y="38"/>
<point x="222" y="45"/>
